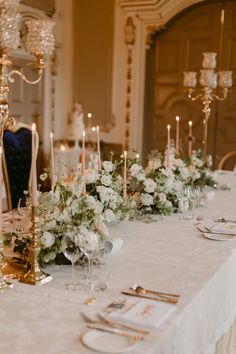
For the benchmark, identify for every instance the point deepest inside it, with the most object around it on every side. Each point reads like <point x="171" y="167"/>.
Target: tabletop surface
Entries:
<point x="170" y="255"/>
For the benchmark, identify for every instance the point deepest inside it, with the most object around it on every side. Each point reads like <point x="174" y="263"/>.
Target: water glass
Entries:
<point x="72" y="253"/>
<point x="100" y="278"/>
<point x="187" y="204"/>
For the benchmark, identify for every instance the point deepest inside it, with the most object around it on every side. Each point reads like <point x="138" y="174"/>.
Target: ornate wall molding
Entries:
<point x="47" y="6"/>
<point x="149" y="17"/>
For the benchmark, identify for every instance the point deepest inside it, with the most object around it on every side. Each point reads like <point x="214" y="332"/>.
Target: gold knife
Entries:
<point x="114" y="331"/>
<point x="156" y="298"/>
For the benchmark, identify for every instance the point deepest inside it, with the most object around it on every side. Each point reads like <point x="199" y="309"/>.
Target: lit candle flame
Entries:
<point x="190" y="123"/>
<point x="168" y="126"/>
<point x="97" y="128"/>
<point x="177" y="118"/>
<point x="89" y="115"/>
<point x="93" y="129"/>
<point x="51" y="135"/>
<point x="83" y="133"/>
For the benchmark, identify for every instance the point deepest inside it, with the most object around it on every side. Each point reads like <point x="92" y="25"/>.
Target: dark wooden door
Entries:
<point x="178" y="48"/>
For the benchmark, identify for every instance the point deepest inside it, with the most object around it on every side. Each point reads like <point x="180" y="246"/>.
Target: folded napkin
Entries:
<point x="144" y="313"/>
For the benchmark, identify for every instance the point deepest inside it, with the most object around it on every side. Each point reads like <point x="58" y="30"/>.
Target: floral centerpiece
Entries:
<point x="64" y="214"/>
<point x="106" y="186"/>
<point x="155" y="188"/>
<point x="199" y="170"/>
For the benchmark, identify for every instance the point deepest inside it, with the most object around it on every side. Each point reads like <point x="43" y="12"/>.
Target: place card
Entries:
<point x="144" y="313"/>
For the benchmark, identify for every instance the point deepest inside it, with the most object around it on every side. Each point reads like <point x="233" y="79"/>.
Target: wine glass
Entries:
<point x="72" y="253"/>
<point x="90" y="245"/>
<point x="23" y="207"/>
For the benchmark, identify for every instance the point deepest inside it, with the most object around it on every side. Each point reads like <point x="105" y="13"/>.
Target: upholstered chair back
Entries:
<point x="17" y="142"/>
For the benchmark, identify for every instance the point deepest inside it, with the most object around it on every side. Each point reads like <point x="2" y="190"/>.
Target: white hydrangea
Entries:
<point x="91" y="202"/>
<point x="109" y="215"/>
<point x="146" y="199"/>
<point x="184" y="173"/>
<point x="47" y="239"/>
<point x="135" y="169"/>
<point x="149" y="185"/>
<point x="108" y="166"/>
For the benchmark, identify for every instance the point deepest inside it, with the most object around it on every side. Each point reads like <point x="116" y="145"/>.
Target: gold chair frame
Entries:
<point x="225" y="158"/>
<point x="13" y="126"/>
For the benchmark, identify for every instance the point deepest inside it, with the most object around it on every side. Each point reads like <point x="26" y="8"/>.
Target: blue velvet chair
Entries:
<point x="17" y="141"/>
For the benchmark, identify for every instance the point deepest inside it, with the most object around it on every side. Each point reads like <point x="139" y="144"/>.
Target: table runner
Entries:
<point x="170" y="255"/>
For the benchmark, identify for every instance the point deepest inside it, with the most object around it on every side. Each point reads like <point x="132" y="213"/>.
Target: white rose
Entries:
<point x="134" y="169"/>
<point x="150" y="185"/>
<point x="106" y="180"/>
<point x="47" y="239"/>
<point x="108" y="166"/>
<point x="162" y="197"/>
<point x="140" y="176"/>
<point x="146" y="199"/>
<point x="109" y="215"/>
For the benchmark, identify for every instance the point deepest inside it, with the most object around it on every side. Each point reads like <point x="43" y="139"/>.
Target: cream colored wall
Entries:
<point x="146" y="14"/>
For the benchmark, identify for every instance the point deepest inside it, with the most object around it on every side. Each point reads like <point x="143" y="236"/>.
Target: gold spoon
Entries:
<point x="140" y="290"/>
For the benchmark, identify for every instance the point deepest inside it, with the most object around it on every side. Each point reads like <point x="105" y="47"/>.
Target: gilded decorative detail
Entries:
<point x="48" y="6"/>
<point x="129" y="31"/>
<point x="129" y="41"/>
<point x="151" y="30"/>
<point x="53" y="69"/>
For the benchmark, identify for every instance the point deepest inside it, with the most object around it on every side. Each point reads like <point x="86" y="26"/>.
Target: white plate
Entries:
<point x="107" y="342"/>
<point x="218" y="237"/>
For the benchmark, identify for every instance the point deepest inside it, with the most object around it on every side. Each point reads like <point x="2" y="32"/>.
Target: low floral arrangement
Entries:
<point x="158" y="188"/>
<point x="106" y="186"/>
<point x="199" y="169"/>
<point x="155" y="188"/>
<point x="64" y="214"/>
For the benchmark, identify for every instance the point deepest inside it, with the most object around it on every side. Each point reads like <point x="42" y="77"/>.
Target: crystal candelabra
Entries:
<point x="209" y="81"/>
<point x="38" y="41"/>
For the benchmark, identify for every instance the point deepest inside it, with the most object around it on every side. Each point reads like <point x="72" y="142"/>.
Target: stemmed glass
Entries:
<point x="90" y="245"/>
<point x="73" y="254"/>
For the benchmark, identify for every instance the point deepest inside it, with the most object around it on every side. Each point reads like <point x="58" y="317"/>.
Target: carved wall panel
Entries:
<point x="180" y="48"/>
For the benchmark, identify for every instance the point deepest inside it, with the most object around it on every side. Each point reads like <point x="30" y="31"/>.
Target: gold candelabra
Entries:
<point x="210" y="81"/>
<point x="38" y="40"/>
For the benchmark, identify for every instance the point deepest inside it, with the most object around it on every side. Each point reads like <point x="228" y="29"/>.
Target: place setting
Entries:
<point x="220" y="229"/>
<point x="126" y="321"/>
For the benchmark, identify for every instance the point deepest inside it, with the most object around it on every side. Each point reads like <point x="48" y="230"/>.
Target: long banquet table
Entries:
<point x="170" y="255"/>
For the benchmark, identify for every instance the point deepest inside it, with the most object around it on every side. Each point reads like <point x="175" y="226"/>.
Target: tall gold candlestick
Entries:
<point x="3" y="283"/>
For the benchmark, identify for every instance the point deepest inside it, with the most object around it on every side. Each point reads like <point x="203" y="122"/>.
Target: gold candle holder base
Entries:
<point x="35" y="276"/>
<point x="4" y="284"/>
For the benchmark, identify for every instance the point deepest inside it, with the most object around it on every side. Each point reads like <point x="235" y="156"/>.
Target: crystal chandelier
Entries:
<point x="38" y="41"/>
<point x="209" y="80"/>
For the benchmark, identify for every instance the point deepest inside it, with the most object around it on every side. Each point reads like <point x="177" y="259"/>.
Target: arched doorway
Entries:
<point x="177" y="48"/>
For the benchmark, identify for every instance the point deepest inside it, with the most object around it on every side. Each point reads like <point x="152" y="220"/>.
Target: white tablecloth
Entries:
<point x="168" y="255"/>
